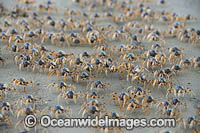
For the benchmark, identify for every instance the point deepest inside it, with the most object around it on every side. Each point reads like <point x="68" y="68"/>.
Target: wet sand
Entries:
<point x="10" y="71"/>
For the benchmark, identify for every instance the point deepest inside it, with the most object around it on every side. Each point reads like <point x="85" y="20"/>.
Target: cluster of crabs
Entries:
<point x="130" y="48"/>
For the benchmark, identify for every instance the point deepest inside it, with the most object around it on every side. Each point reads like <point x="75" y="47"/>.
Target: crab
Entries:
<point x="196" y="62"/>
<point x="180" y="91"/>
<point x="27" y="2"/>
<point x="98" y="85"/>
<point x="141" y="78"/>
<point x="64" y="71"/>
<point x="52" y="67"/>
<point x="61" y="53"/>
<point x="175" y="53"/>
<point x="151" y="53"/>
<point x="86" y="28"/>
<point x="162" y="58"/>
<point x="71" y="12"/>
<point x="155" y="36"/>
<point x="133" y="45"/>
<point x="69" y="95"/>
<point x="137" y="91"/>
<point x="27" y="111"/>
<point x="177" y="102"/>
<point x="120" y="18"/>
<point x="88" y="67"/>
<point x="133" y="24"/>
<point x="156" y="46"/>
<point x="107" y="66"/>
<point x="34" y="52"/>
<point x="61" y="86"/>
<point x="83" y="76"/>
<point x="6" y="108"/>
<point x="113" y="69"/>
<point x="168" y="72"/>
<point x="77" y="61"/>
<point x="85" y="54"/>
<point x="171" y="113"/>
<point x="28" y="46"/>
<point x="4" y="37"/>
<point x="61" y="61"/>
<point x="184" y="63"/>
<point x="75" y="38"/>
<point x="119" y="50"/>
<point x="25" y="63"/>
<point x="18" y="39"/>
<point x="21" y="82"/>
<point x="185" y="36"/>
<point x="30" y="36"/>
<point x="14" y="49"/>
<point x="49" y="2"/>
<point x="93" y="38"/>
<point x="26" y="28"/>
<point x="165" y="73"/>
<point x="176" y="68"/>
<point x="161" y="82"/>
<point x="48" y="36"/>
<point x="41" y="65"/>
<point x="149" y="100"/>
<point x="135" y="73"/>
<point x="92" y="95"/>
<point x="187" y="17"/>
<point x="111" y="115"/>
<point x="6" y="119"/>
<point x="115" y="35"/>
<point x="162" y="106"/>
<point x="59" y="39"/>
<point x="190" y="122"/>
<point x="18" y="57"/>
<point x="147" y="16"/>
<point x="130" y="57"/>
<point x="102" y="55"/>
<point x="93" y="108"/>
<point x="58" y="111"/>
<point x="4" y="88"/>
<point x="46" y="8"/>
<point x="176" y="26"/>
<point x="174" y="103"/>
<point x="127" y="67"/>
<point x="121" y="98"/>
<point x="98" y="64"/>
<point x="39" y="32"/>
<point x="29" y="100"/>
<point x="152" y="63"/>
<point x="134" y="103"/>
